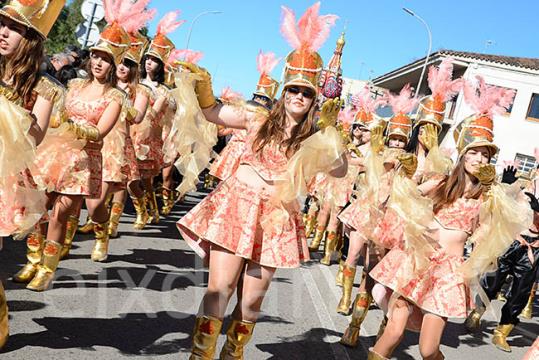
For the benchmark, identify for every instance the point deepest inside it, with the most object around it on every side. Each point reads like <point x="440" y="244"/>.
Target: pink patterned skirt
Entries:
<point x="232" y="217"/>
<point x="228" y="161"/>
<point x="439" y="289"/>
<point x="131" y="160"/>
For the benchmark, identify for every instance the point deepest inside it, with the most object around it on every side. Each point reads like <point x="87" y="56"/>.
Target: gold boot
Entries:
<point x="153" y="210"/>
<point x="34" y="249"/>
<point x="116" y="212"/>
<point x="339" y="277"/>
<point x="349" y="273"/>
<point x="142" y="214"/>
<point x="237" y="336"/>
<point x="329" y="248"/>
<point x="527" y="313"/>
<point x="501" y="297"/>
<point x="500" y="337"/>
<point x="47" y="267"/>
<point x="318" y="235"/>
<point x="4" y="324"/>
<point x="373" y="355"/>
<point x="310" y="224"/>
<point x="361" y="307"/>
<point x="205" y="334"/>
<point x="87" y="228"/>
<point x="473" y="321"/>
<point x="101" y="246"/>
<point x="168" y="201"/>
<point x="71" y="229"/>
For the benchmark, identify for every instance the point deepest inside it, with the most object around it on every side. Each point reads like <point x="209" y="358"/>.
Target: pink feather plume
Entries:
<point x="266" y="62"/>
<point x="168" y="23"/>
<point x="487" y="99"/>
<point x="311" y="31"/>
<point x="110" y="7"/>
<point x="186" y="55"/>
<point x="440" y="80"/>
<point x="229" y="95"/>
<point x="364" y="100"/>
<point x="137" y="16"/>
<point x="404" y="102"/>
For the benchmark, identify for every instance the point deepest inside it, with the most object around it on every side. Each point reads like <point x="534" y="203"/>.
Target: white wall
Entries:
<point x="513" y="134"/>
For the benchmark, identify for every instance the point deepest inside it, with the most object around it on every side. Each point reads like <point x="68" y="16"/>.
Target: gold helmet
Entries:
<point x="114" y="41"/>
<point x="399" y="125"/>
<point x="303" y="64"/>
<point x="39" y="15"/>
<point x="161" y="46"/>
<point x="138" y="45"/>
<point x="266" y="86"/>
<point x="431" y="111"/>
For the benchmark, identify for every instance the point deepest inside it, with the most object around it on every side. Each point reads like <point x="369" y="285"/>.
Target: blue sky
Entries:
<point x="379" y="34"/>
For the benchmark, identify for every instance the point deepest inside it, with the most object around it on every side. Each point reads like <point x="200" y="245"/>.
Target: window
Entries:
<point x="525" y="163"/>
<point x="533" y="109"/>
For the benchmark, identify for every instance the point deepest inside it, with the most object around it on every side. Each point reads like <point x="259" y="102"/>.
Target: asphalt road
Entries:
<point x="141" y="303"/>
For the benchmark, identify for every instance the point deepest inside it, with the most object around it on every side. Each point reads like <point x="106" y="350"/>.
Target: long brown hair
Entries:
<point x="453" y="186"/>
<point x="111" y="80"/>
<point x="274" y="129"/>
<point x="133" y="78"/>
<point x="22" y="68"/>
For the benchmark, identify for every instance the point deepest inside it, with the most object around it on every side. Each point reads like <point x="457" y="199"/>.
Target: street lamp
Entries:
<point x="193" y="23"/>
<point x="430" y="47"/>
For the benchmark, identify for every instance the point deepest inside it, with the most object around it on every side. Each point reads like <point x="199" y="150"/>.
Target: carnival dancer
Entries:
<point x="92" y="108"/>
<point x="229" y="159"/>
<point x="147" y="135"/>
<point x="362" y="216"/>
<point x="425" y="268"/>
<point x="138" y="96"/>
<point x="27" y="100"/>
<point x="521" y="261"/>
<point x="170" y="150"/>
<point x="238" y="226"/>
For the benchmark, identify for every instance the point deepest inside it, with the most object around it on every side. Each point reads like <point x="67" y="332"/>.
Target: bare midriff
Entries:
<point x="451" y="241"/>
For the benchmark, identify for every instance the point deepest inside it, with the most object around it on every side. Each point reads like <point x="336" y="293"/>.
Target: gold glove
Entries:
<point x="203" y="86"/>
<point x="377" y="139"/>
<point x="87" y="132"/>
<point x="131" y="114"/>
<point x="329" y="112"/>
<point x="429" y="137"/>
<point x="353" y="148"/>
<point x="408" y="164"/>
<point x="486" y="173"/>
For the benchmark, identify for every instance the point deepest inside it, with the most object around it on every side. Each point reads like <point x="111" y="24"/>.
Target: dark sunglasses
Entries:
<point x="306" y="92"/>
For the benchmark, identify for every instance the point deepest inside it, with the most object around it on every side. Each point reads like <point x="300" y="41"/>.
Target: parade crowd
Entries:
<point x="436" y="235"/>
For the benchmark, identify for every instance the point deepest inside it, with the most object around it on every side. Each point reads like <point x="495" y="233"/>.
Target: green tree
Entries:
<point x="63" y="31"/>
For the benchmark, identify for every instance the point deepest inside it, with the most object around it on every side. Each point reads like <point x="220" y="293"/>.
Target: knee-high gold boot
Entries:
<point x="4" y="324"/>
<point x="340" y="277"/>
<point x="47" y="266"/>
<point x="373" y="355"/>
<point x="116" y="212"/>
<point x="359" y="312"/>
<point x="349" y="273"/>
<point x="153" y="210"/>
<point x="168" y="201"/>
<point x="101" y="246"/>
<point x="142" y="214"/>
<point x="88" y="227"/>
<point x="237" y="336"/>
<point x="318" y="235"/>
<point x="527" y="312"/>
<point x="205" y="334"/>
<point x="310" y="224"/>
<point x="329" y="248"/>
<point x="71" y="229"/>
<point x="500" y="335"/>
<point x="34" y="249"/>
<point x="473" y="321"/>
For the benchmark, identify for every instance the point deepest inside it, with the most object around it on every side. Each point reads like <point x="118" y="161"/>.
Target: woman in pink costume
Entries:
<point x="92" y="108"/>
<point x="239" y="228"/>
<point x="425" y="269"/>
<point x="26" y="100"/>
<point x="147" y="135"/>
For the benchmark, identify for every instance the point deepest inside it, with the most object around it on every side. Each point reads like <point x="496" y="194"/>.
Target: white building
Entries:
<point x="516" y="132"/>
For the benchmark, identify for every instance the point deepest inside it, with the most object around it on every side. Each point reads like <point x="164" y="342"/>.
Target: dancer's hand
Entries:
<point x="377" y="139"/>
<point x="329" y="112"/>
<point x="203" y="87"/>
<point x="486" y="173"/>
<point x="509" y="175"/>
<point x="87" y="132"/>
<point x="429" y="136"/>
<point x="534" y="203"/>
<point x="408" y="164"/>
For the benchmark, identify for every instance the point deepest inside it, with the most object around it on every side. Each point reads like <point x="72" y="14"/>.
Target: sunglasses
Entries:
<point x="306" y="92"/>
